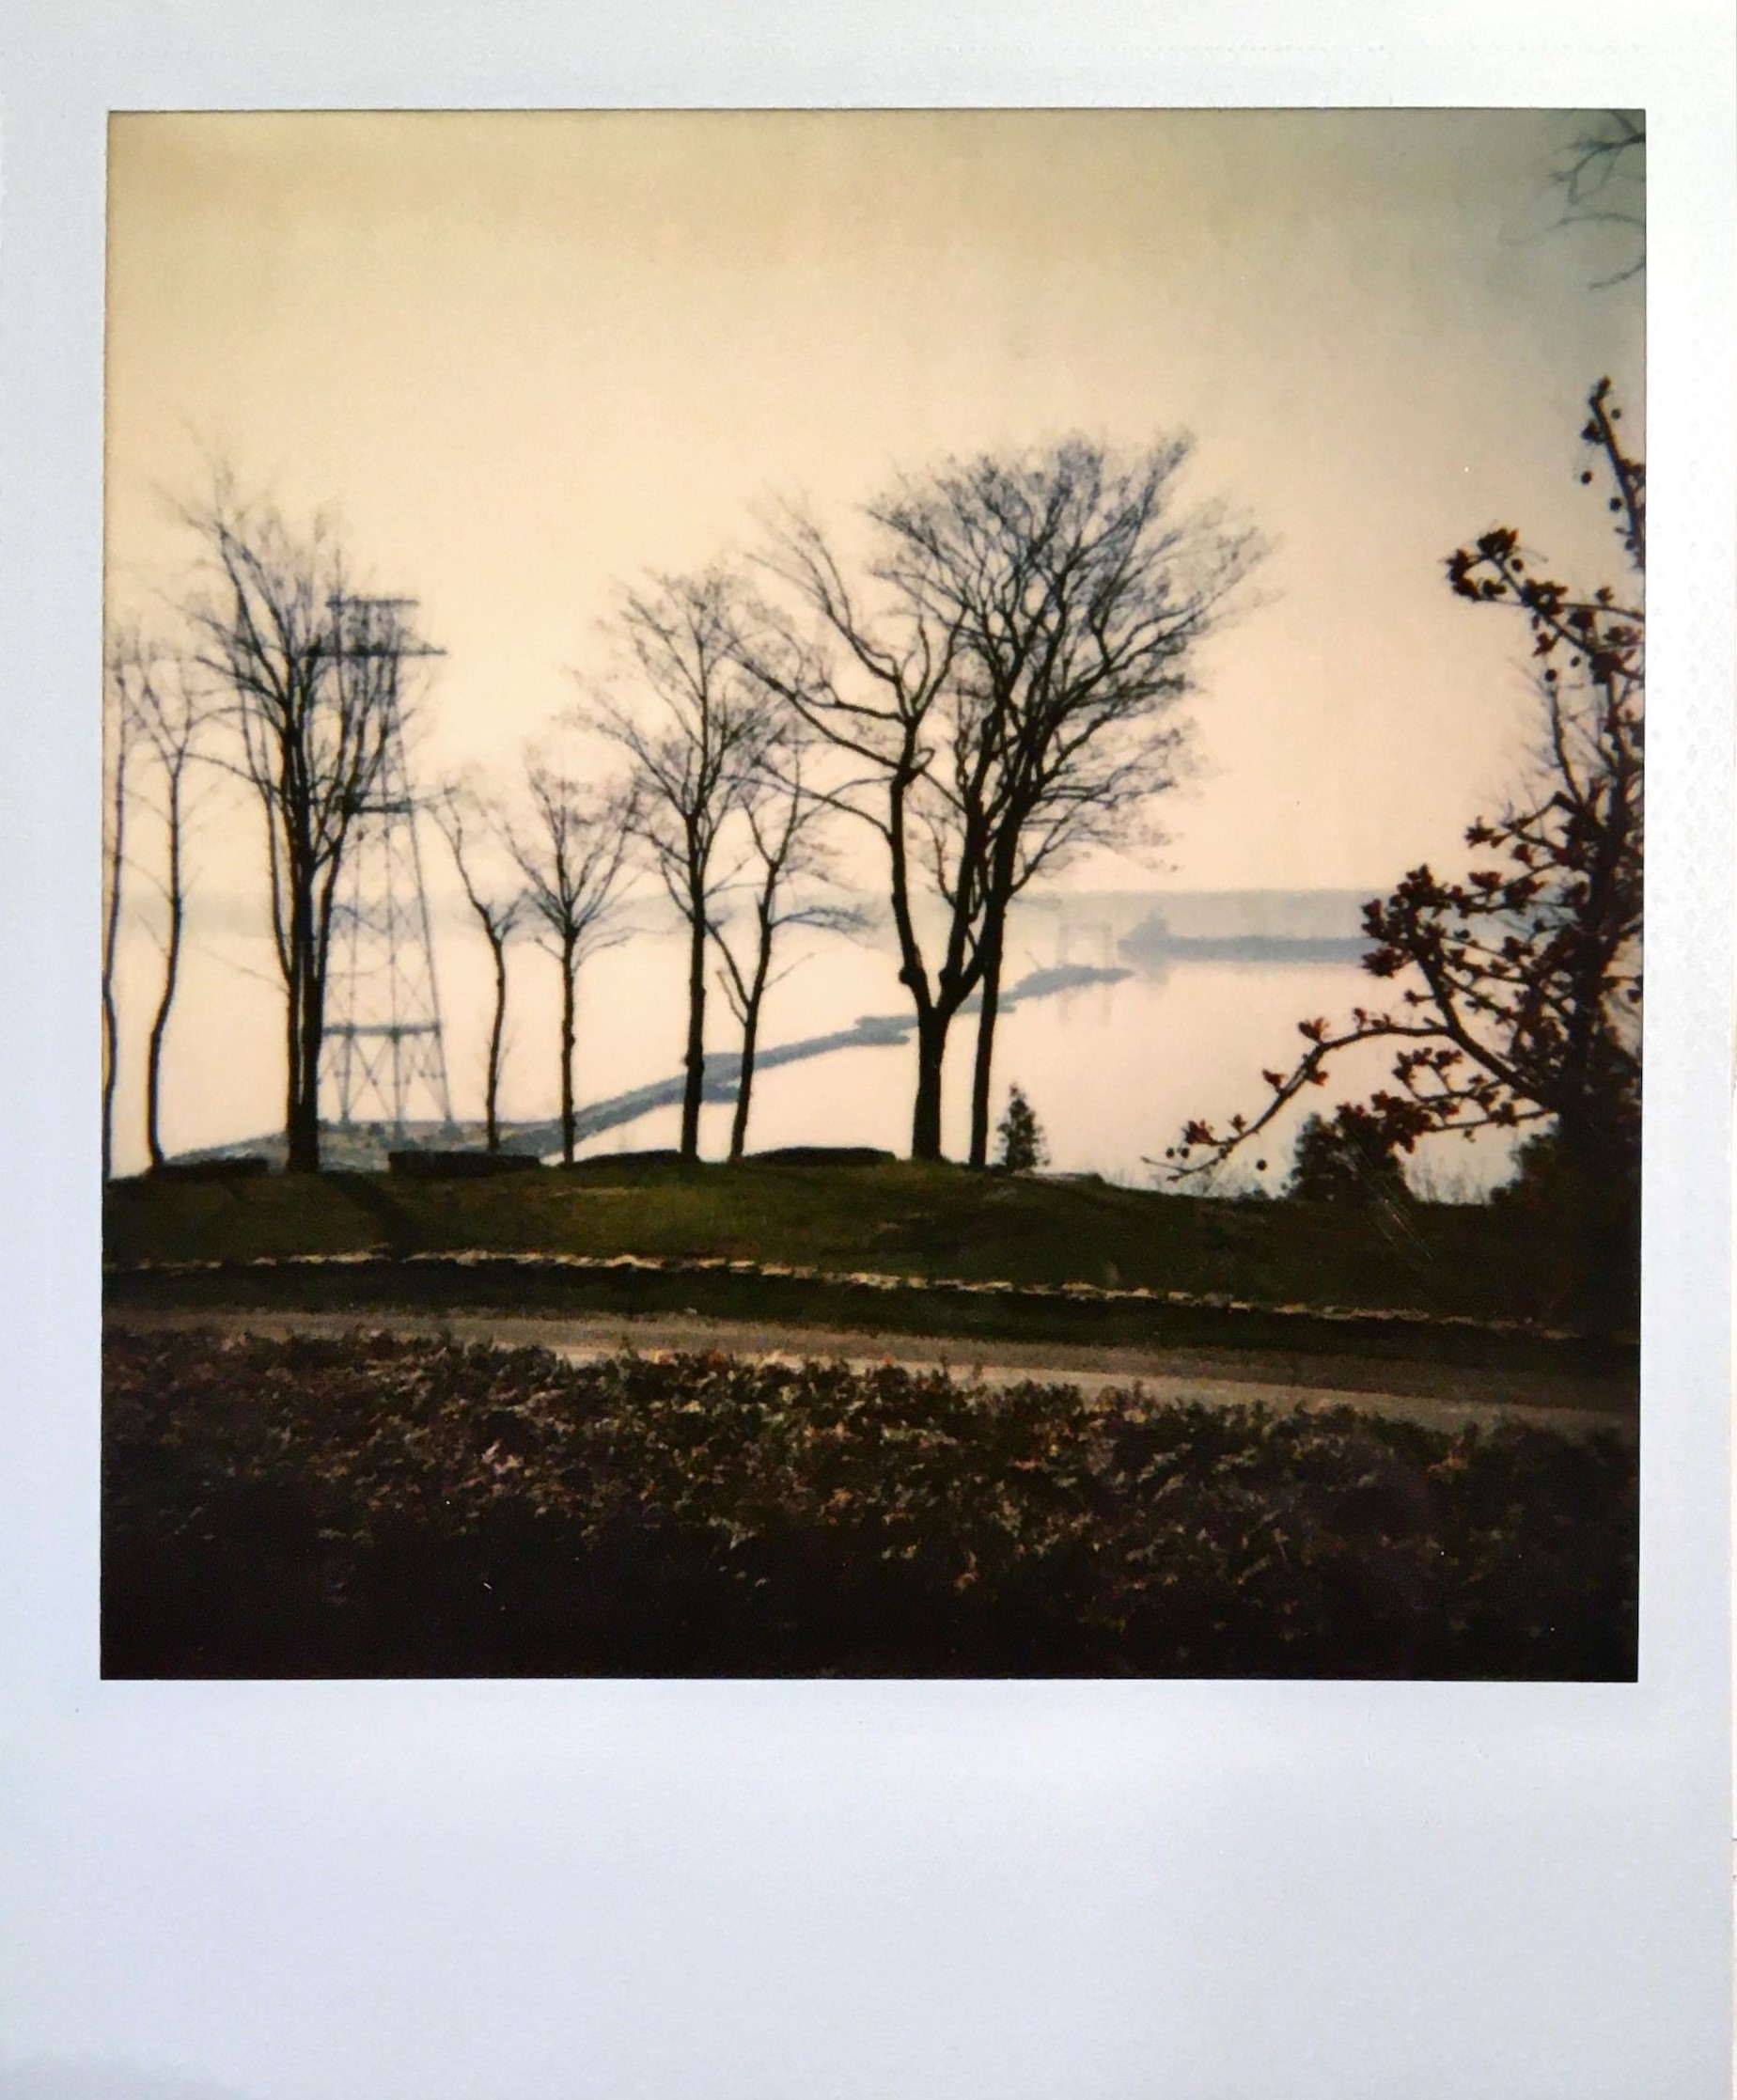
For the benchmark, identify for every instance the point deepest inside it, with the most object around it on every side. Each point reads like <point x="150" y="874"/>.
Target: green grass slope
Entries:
<point x="893" y="1218"/>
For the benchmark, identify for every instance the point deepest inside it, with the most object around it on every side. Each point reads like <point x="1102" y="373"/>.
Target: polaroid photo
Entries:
<point x="906" y="1266"/>
<point x="867" y="912"/>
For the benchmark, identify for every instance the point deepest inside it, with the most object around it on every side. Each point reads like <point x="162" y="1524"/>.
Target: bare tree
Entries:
<point x="572" y="854"/>
<point x="120" y="737"/>
<point x="466" y="823"/>
<point x="782" y="815"/>
<point x="1600" y="174"/>
<point x="315" y="673"/>
<point x="1008" y="699"/>
<point x="175" y="713"/>
<point x="1080" y="590"/>
<point x="873" y="685"/>
<point x="690" y="761"/>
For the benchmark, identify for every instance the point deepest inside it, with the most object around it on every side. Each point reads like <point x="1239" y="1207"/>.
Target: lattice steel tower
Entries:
<point x="384" y="1058"/>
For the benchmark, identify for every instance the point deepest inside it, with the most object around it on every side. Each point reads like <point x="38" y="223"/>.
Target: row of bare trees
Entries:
<point x="1002" y="686"/>
<point x="992" y="685"/>
<point x="713" y="804"/>
<point x="982" y="675"/>
<point x="719" y="802"/>
<point x="158" y="720"/>
<point x="282" y="676"/>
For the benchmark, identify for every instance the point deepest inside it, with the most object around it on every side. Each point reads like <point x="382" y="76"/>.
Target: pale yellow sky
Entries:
<point x="525" y="356"/>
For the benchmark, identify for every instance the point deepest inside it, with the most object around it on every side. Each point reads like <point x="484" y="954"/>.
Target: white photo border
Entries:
<point x="1288" y="1892"/>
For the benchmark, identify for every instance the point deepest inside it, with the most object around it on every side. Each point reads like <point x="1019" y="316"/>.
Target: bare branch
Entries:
<point x="315" y="686"/>
<point x="1520" y="981"/>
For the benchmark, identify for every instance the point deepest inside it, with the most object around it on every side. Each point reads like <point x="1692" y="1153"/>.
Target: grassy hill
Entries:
<point x="892" y="1218"/>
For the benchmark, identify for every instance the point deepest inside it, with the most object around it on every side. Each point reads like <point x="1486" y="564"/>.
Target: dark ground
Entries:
<point x="411" y="1505"/>
<point x="390" y="1506"/>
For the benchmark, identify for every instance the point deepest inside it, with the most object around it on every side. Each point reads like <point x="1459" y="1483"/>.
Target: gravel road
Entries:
<point x="1439" y="1396"/>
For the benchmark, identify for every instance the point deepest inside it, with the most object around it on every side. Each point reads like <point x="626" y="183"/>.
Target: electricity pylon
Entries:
<point x="384" y="1058"/>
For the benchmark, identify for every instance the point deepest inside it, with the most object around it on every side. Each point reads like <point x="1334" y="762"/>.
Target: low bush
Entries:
<point x="825" y="1155"/>
<point x="430" y="1165"/>
<point x="374" y="1506"/>
<point x="238" y="1167"/>
<point x="1347" y="1158"/>
<point x="657" y="1155"/>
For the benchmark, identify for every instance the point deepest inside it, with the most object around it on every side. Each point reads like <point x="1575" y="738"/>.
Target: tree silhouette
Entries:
<point x="467" y="822"/>
<point x="315" y="672"/>
<point x="1521" y="981"/>
<point x="1081" y="587"/>
<point x="1001" y="684"/>
<point x="174" y="714"/>
<point x="572" y="854"/>
<point x="122" y="735"/>
<point x="873" y="684"/>
<point x="1023" y="1150"/>
<point x="691" y="754"/>
<point x="1347" y="1158"/>
<point x="1601" y="175"/>
<point x="782" y="816"/>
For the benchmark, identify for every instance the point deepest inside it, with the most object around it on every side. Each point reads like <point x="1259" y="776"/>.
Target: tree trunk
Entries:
<point x="301" y="1146"/>
<point x="750" y="1035"/>
<point x="292" y="1065"/>
<point x="931" y="1041"/>
<point x="983" y="1065"/>
<point x="490" y="1109"/>
<point x="926" y="1114"/>
<point x="570" y="1121"/>
<point x="171" y="971"/>
<point x="110" y="1071"/>
<point x="694" y="1063"/>
<point x="304" y="1149"/>
<point x="111" y="930"/>
<point x="744" y="1082"/>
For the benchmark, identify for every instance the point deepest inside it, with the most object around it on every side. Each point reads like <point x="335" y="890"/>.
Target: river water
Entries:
<point x="1112" y="1069"/>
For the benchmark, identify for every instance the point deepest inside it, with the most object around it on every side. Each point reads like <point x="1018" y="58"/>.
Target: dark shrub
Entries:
<point x="1350" y="1159"/>
<point x="242" y="1167"/>
<point x="1587" y="1211"/>
<point x="371" y="1506"/>
<point x="432" y="1166"/>
<point x="1021" y="1135"/>
<point x="825" y="1155"/>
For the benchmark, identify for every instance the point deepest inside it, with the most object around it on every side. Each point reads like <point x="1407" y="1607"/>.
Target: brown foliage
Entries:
<point x="1519" y="984"/>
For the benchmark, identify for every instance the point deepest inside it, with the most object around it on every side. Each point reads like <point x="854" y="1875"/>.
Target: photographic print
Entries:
<point x="872" y="894"/>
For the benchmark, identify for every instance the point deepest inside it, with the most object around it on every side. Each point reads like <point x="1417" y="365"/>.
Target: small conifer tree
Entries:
<point x="1023" y="1149"/>
<point x="1346" y="1158"/>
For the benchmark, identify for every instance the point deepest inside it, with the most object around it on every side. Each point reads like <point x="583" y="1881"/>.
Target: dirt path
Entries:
<point x="1438" y="1396"/>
